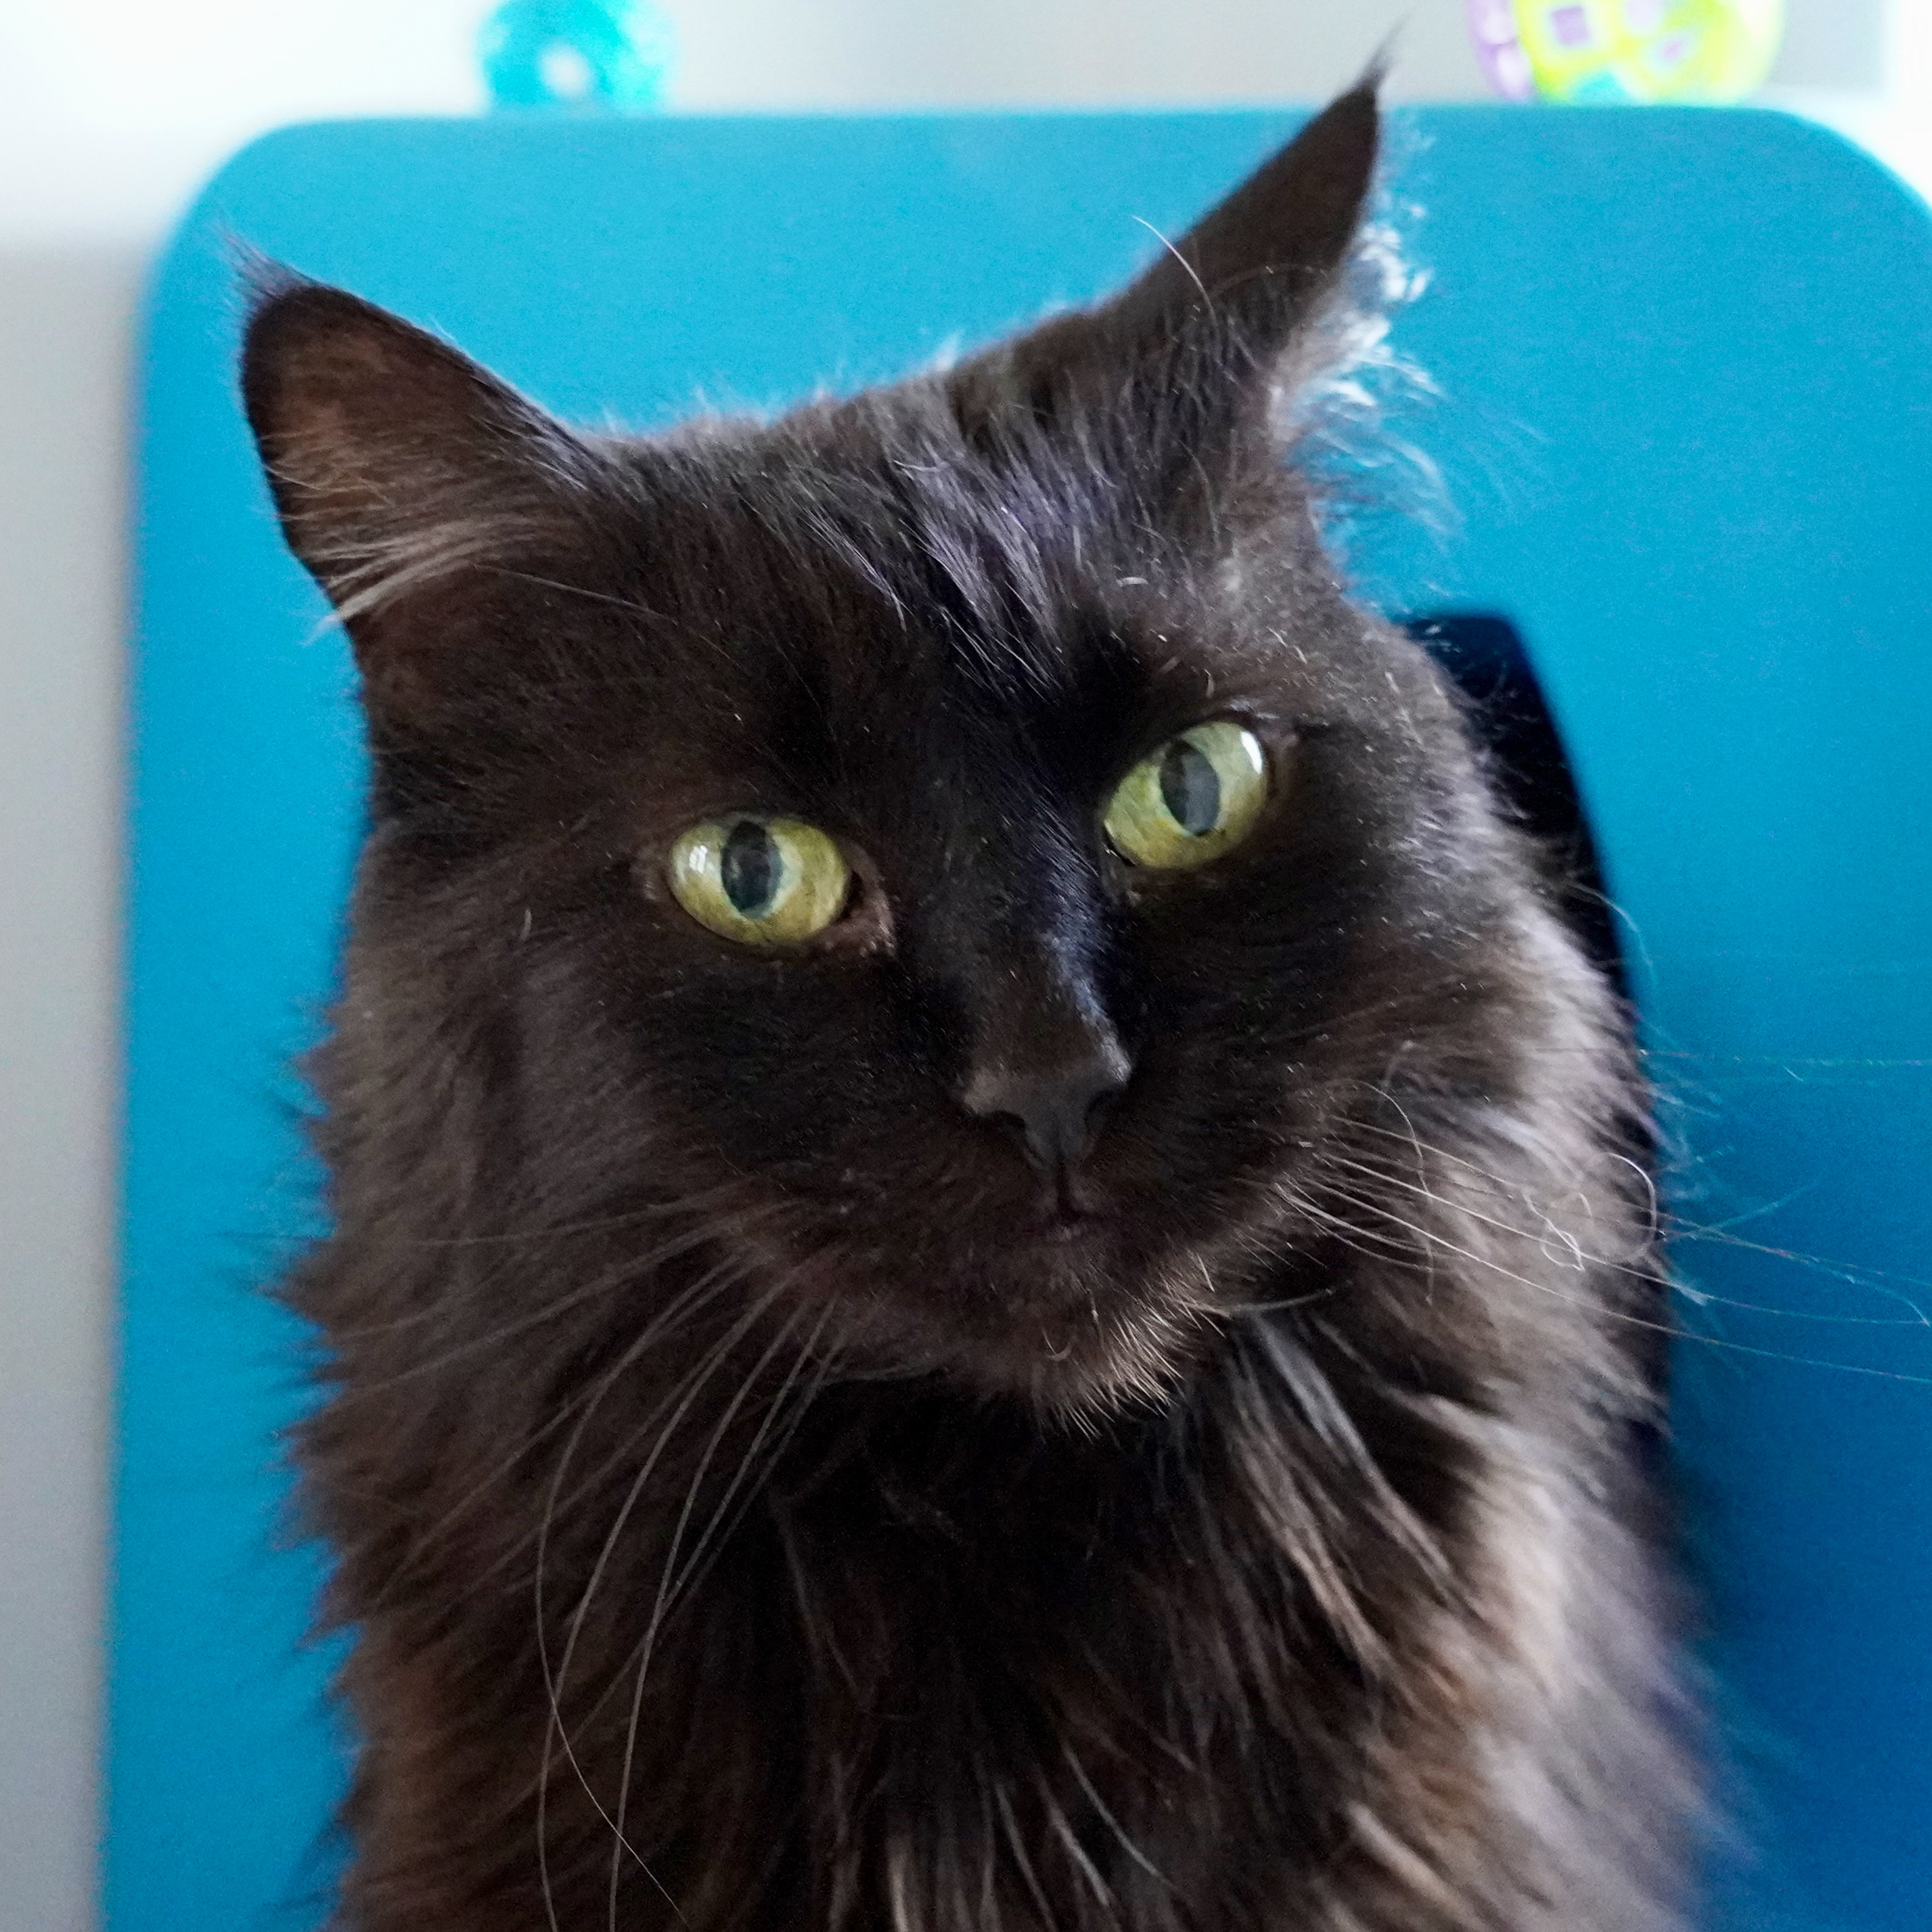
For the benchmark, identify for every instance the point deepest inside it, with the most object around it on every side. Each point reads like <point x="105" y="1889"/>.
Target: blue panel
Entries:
<point x="1687" y="428"/>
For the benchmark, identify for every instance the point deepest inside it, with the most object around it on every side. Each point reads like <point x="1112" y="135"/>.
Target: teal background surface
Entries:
<point x="1685" y="439"/>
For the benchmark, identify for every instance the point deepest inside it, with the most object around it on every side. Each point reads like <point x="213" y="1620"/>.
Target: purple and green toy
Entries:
<point x="1621" y="51"/>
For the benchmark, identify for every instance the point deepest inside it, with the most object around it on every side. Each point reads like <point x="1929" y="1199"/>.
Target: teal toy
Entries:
<point x="576" y="53"/>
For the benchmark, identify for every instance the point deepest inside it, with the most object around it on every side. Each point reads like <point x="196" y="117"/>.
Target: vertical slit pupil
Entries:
<point x="1190" y="788"/>
<point x="750" y="869"/>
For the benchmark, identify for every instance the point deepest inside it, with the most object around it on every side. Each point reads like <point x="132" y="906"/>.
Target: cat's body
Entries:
<point x="1079" y="1394"/>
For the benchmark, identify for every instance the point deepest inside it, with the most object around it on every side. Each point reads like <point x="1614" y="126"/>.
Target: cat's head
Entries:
<point x="961" y="840"/>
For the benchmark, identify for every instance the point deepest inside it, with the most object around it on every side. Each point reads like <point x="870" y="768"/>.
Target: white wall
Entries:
<point x="61" y="336"/>
<point x="113" y="112"/>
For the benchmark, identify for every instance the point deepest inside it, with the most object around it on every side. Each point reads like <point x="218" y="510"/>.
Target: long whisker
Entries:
<point x="1622" y="1316"/>
<point x="693" y="1574"/>
<point x="1917" y="1320"/>
<point x="730" y="1193"/>
<point x="555" y="1728"/>
<point x="656" y="1622"/>
<point x="702" y="1203"/>
<point x="627" y="1269"/>
<point x="1578" y="1256"/>
<point x="553" y="1722"/>
<point x="691" y="1302"/>
<point x="717" y="1531"/>
<point x="1113" y="1824"/>
<point x="1876" y="1281"/>
<point x="686" y="1393"/>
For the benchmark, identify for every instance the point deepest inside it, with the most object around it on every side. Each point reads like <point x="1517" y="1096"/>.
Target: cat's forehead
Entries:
<point x="870" y="559"/>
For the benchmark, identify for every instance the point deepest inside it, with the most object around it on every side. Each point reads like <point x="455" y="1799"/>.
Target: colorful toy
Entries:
<point x="1626" y="50"/>
<point x="575" y="53"/>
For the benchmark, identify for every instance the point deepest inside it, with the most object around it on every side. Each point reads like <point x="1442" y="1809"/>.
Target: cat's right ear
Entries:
<point x="1194" y="358"/>
<point x="400" y="469"/>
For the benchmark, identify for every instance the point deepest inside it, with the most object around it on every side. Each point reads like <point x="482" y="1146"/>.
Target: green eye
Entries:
<point x="1190" y="801"/>
<point x="760" y="881"/>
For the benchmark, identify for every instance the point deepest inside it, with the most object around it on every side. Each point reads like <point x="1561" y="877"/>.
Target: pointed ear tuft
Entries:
<point x="1259" y="263"/>
<point x="1194" y="349"/>
<point x="394" y="460"/>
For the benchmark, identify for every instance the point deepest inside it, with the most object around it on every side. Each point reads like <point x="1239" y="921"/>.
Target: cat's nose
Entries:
<point x="1057" y="1108"/>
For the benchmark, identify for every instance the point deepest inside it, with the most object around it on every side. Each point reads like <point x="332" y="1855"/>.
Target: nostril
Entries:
<point x="1007" y="1119"/>
<point x="1056" y="1114"/>
<point x="1013" y="1125"/>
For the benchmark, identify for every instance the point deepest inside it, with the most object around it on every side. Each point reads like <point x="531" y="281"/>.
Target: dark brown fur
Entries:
<point x="758" y="1502"/>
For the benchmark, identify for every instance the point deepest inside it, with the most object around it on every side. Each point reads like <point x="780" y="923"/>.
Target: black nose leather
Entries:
<point x="1057" y="1108"/>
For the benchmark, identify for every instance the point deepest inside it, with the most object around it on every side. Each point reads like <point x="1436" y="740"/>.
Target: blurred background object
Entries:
<point x="1618" y="52"/>
<point x="582" y="55"/>
<point x="116" y="112"/>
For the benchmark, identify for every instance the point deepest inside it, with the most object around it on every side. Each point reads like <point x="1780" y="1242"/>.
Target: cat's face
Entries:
<point x="960" y="840"/>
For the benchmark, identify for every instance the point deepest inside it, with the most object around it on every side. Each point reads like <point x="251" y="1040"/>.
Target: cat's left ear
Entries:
<point x="1201" y="345"/>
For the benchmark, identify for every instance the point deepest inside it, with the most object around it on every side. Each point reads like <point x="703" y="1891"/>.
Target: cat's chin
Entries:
<point x="1054" y="1320"/>
<point x="1080" y="1379"/>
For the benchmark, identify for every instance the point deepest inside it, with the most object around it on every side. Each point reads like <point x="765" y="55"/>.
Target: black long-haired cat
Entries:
<point x="988" y="1274"/>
